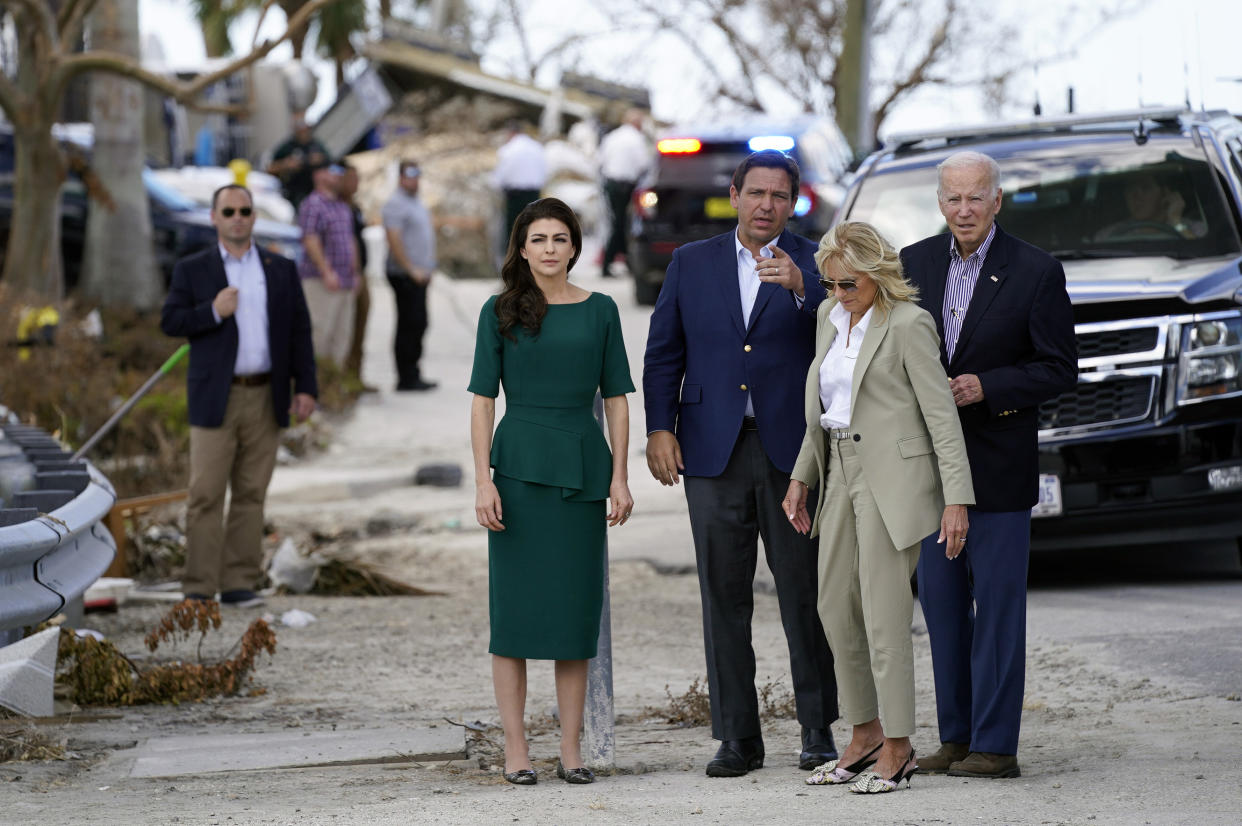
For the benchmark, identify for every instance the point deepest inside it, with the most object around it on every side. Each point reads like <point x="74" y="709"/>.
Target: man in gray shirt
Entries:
<point x="411" y="260"/>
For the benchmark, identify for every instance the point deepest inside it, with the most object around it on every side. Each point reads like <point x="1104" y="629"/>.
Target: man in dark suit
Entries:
<point x="1007" y="343"/>
<point x="731" y="337"/>
<point x="243" y="311"/>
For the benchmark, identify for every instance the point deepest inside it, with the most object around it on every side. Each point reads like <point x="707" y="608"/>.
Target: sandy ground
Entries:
<point x="1123" y="724"/>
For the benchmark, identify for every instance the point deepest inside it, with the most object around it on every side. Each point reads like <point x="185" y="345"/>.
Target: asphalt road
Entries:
<point x="1175" y="610"/>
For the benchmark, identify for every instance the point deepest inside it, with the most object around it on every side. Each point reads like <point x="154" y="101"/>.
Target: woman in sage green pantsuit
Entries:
<point x="552" y="345"/>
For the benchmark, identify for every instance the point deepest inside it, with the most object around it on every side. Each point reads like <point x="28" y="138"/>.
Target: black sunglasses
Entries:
<point x="830" y="285"/>
<point x="227" y="212"/>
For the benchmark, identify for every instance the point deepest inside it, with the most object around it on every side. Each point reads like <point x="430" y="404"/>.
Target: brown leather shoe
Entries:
<point x="986" y="764"/>
<point x="939" y="762"/>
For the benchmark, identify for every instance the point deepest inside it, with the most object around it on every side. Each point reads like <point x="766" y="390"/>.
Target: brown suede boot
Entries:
<point x="938" y="763"/>
<point x="986" y="764"/>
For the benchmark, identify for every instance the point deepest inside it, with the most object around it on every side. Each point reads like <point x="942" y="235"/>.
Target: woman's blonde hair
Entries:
<point x="859" y="248"/>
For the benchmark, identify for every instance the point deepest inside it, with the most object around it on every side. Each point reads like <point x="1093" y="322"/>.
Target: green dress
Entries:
<point x="552" y="468"/>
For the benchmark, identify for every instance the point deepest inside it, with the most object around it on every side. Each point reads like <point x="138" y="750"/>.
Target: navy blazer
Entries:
<point x="196" y="280"/>
<point x="1018" y="338"/>
<point x="702" y="358"/>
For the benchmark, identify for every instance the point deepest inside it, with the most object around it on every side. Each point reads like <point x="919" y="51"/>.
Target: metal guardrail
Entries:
<point x="53" y="542"/>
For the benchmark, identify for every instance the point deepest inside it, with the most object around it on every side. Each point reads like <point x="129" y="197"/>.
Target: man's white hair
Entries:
<point x="967" y="158"/>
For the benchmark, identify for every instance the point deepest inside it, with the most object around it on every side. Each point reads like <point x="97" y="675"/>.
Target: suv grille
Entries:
<point x="1112" y="401"/>
<point x="1117" y="342"/>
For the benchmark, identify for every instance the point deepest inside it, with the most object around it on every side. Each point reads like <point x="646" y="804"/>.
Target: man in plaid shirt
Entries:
<point x="330" y="266"/>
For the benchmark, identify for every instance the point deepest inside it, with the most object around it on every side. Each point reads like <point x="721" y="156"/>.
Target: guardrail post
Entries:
<point x="598" y="721"/>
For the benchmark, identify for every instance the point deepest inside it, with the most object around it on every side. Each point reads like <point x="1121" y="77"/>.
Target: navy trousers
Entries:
<point x="975" y="608"/>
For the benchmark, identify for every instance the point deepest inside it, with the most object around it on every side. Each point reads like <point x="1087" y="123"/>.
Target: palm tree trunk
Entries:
<point x="118" y="266"/>
<point x="33" y="270"/>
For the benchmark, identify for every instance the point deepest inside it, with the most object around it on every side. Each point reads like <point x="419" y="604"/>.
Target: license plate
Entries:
<point x="718" y="208"/>
<point x="1049" y="496"/>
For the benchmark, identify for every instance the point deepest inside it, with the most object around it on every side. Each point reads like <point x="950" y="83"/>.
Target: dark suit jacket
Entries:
<point x="187" y="312"/>
<point x="702" y="358"/>
<point x="1018" y="338"/>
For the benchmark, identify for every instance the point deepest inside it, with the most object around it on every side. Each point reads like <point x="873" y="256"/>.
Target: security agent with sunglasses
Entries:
<point x="243" y="310"/>
<point x="731" y="336"/>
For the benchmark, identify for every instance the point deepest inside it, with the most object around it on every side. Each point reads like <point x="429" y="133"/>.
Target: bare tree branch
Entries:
<point x="919" y="73"/>
<point x="668" y="24"/>
<point x="12" y="101"/>
<point x="254" y="41"/>
<point x="66" y="11"/>
<point x="97" y="61"/>
<point x="516" y="15"/>
<point x="71" y="20"/>
<point x="40" y="14"/>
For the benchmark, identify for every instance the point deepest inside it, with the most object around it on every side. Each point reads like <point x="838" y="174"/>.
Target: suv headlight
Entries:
<point x="1211" y="361"/>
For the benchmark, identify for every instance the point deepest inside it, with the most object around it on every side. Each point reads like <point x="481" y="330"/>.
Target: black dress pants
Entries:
<point x="516" y="200"/>
<point x="411" y="298"/>
<point x="728" y="514"/>
<point x="618" y="193"/>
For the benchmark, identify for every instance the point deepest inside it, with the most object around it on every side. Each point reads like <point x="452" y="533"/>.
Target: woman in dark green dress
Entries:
<point x="552" y="345"/>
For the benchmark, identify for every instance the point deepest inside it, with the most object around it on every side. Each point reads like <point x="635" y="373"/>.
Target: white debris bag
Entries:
<point x="293" y="570"/>
<point x="296" y="618"/>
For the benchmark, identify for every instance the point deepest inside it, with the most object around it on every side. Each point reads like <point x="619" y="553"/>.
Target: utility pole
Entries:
<point x="853" y="103"/>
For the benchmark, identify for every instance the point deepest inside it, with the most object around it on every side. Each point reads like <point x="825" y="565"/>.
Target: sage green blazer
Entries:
<point x="903" y="421"/>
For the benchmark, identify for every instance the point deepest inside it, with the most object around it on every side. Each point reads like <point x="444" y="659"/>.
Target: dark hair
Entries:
<point x="521" y="302"/>
<point x="770" y="159"/>
<point x="215" y="196"/>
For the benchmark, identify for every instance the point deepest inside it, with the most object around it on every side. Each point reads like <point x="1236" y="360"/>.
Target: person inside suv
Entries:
<point x="1153" y="209"/>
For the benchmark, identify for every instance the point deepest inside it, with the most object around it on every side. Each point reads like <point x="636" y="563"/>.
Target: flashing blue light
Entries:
<point x="802" y="206"/>
<point x="781" y="143"/>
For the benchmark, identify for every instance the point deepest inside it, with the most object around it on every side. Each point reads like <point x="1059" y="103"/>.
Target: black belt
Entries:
<point x="749" y="423"/>
<point x="253" y="380"/>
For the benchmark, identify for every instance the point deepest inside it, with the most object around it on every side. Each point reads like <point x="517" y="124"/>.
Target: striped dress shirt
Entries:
<point x="960" y="286"/>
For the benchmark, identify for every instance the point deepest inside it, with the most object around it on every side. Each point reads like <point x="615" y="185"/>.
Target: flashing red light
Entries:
<point x="679" y="146"/>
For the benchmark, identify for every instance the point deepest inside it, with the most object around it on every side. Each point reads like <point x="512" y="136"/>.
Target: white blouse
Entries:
<point x="836" y="371"/>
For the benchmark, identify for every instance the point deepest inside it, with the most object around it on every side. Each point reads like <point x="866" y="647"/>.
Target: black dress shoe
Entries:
<point x="817" y="747"/>
<point x="736" y="757"/>
<point x="241" y="598"/>
<point x="416" y="385"/>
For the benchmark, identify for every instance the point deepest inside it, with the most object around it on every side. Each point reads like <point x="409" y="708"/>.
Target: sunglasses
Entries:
<point x="227" y="212"/>
<point x="830" y="285"/>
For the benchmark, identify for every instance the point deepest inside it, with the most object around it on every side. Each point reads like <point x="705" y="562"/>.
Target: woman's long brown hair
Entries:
<point x="521" y="303"/>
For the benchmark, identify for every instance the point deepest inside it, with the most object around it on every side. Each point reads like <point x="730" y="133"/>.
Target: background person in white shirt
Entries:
<point x="520" y="173"/>
<point x="624" y="155"/>
<point x="884" y="447"/>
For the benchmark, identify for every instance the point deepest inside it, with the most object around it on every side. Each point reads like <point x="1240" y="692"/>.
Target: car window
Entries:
<point x="1078" y="197"/>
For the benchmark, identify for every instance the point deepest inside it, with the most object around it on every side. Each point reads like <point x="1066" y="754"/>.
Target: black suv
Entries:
<point x="1145" y="211"/>
<point x="686" y="196"/>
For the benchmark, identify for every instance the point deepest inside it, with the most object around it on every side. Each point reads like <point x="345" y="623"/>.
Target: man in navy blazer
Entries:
<point x="1007" y="343"/>
<point x="243" y="310"/>
<point x="731" y="337"/>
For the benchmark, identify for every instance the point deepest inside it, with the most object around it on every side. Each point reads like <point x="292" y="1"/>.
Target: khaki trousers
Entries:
<point x="865" y="603"/>
<point x="332" y="319"/>
<point x="240" y="455"/>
